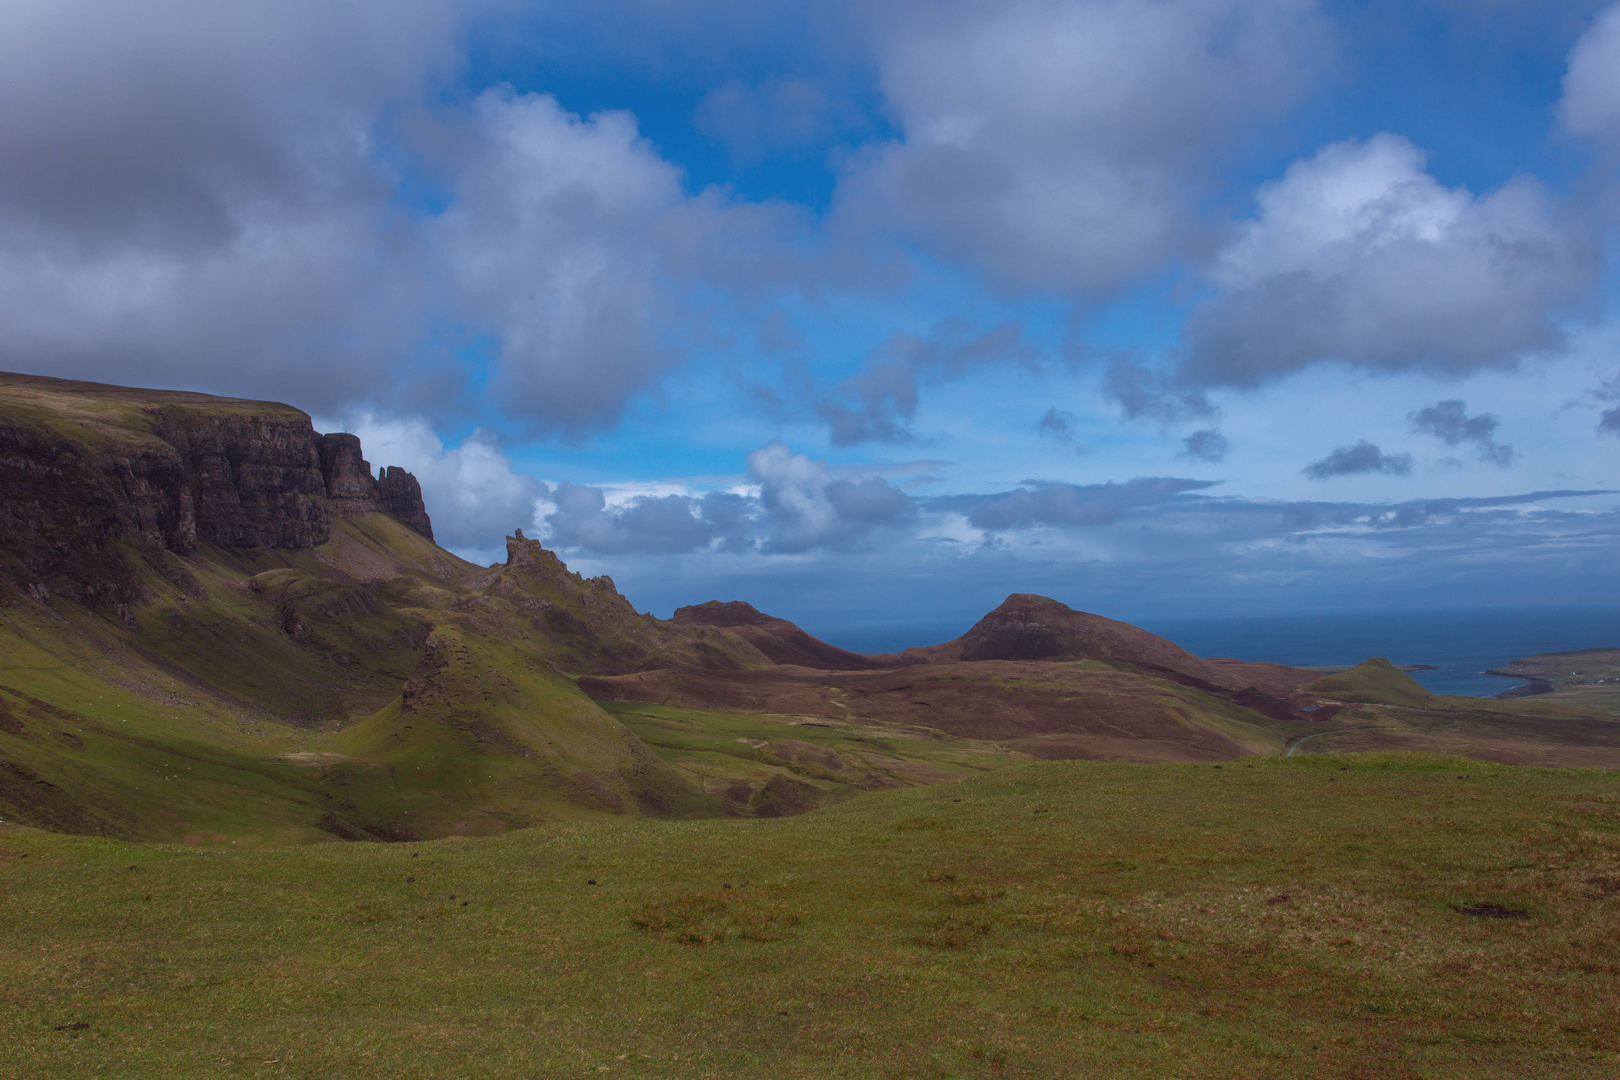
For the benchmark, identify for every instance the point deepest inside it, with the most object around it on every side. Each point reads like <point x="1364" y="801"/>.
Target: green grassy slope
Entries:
<point x="772" y="765"/>
<point x="1375" y="681"/>
<point x="1320" y="917"/>
<point x="100" y="415"/>
<point x="1589" y="677"/>
<point x="373" y="687"/>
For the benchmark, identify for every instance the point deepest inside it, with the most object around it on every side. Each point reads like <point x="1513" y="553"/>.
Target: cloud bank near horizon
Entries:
<point x="555" y="258"/>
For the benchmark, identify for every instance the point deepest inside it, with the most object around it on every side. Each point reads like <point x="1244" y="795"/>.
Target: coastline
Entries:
<point x="1533" y="685"/>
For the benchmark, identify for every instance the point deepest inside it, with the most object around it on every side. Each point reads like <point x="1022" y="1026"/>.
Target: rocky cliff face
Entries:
<point x="401" y="495"/>
<point x="84" y="465"/>
<point x="351" y="491"/>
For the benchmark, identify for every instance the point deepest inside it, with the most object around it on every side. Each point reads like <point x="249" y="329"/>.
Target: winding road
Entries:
<point x="1296" y="745"/>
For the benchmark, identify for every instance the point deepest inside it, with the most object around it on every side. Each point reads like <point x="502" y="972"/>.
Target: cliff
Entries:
<point x="86" y="467"/>
<point x="351" y="491"/>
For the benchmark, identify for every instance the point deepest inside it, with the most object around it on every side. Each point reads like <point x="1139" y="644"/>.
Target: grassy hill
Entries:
<point x="373" y="686"/>
<point x="1375" y="682"/>
<point x="1332" y="916"/>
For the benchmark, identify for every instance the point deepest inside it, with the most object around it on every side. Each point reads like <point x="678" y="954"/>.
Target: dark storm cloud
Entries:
<point x="186" y="193"/>
<point x="1363" y="457"/>
<point x="1449" y="422"/>
<point x="1041" y="502"/>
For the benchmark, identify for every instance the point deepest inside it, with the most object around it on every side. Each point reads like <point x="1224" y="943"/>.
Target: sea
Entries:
<point x="1456" y="645"/>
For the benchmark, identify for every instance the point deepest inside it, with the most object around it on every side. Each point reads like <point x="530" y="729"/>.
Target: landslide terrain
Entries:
<point x="217" y="624"/>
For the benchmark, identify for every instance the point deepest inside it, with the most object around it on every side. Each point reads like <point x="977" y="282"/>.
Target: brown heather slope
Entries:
<point x="780" y="640"/>
<point x="1106" y="690"/>
<point x="1029" y="627"/>
<point x="1033" y="675"/>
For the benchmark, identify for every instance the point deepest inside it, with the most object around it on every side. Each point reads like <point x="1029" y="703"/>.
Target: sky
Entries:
<point x="873" y="313"/>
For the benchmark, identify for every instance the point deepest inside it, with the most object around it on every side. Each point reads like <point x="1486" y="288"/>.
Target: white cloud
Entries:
<point x="1591" y="102"/>
<point x="230" y="198"/>
<point x="187" y="192"/>
<point x="551" y="244"/>
<point x="1063" y="144"/>
<point x="806" y="507"/>
<point x="1359" y="255"/>
<point x="473" y="494"/>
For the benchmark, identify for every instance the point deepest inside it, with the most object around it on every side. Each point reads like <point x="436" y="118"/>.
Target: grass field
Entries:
<point x="1321" y="916"/>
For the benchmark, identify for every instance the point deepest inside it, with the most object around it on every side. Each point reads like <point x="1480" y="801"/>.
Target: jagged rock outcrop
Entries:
<point x="595" y="630"/>
<point x="85" y="465"/>
<point x="401" y="495"/>
<point x="352" y="492"/>
<point x="350" y="489"/>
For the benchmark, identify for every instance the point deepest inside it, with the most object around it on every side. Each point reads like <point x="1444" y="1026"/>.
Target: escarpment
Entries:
<point x="86" y="468"/>
<point x="352" y="492"/>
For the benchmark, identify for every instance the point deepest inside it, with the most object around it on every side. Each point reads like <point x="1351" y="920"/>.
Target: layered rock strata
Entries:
<point x="83" y="466"/>
<point x="352" y="492"/>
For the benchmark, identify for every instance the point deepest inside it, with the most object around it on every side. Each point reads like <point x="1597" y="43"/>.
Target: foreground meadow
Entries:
<point x="1332" y="915"/>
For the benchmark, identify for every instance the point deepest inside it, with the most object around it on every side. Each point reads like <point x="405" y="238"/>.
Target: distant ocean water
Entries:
<point x="1461" y="643"/>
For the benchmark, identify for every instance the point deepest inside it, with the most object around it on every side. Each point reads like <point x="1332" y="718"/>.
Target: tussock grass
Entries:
<point x="1307" y="917"/>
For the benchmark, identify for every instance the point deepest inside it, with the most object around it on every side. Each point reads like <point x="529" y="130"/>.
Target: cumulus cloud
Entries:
<point x="188" y="188"/>
<point x="1359" y="255"/>
<point x="1363" y="457"/>
<point x="1449" y="422"/>
<point x="786" y="505"/>
<point x="1040" y="502"/>
<point x="1591" y="101"/>
<point x="473" y="494"/>
<point x="805" y="507"/>
<point x="548" y="246"/>
<point x="1044" y="141"/>
<point x="278" y="200"/>
<point x="1206" y="444"/>
<point x="581" y="519"/>
<point x="878" y="403"/>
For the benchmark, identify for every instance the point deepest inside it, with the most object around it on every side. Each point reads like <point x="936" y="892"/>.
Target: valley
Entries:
<point x="286" y="789"/>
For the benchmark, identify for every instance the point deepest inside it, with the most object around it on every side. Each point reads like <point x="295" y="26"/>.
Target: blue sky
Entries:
<point x="877" y="312"/>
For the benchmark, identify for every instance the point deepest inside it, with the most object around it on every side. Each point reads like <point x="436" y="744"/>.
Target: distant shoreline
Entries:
<point x="1532" y="687"/>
